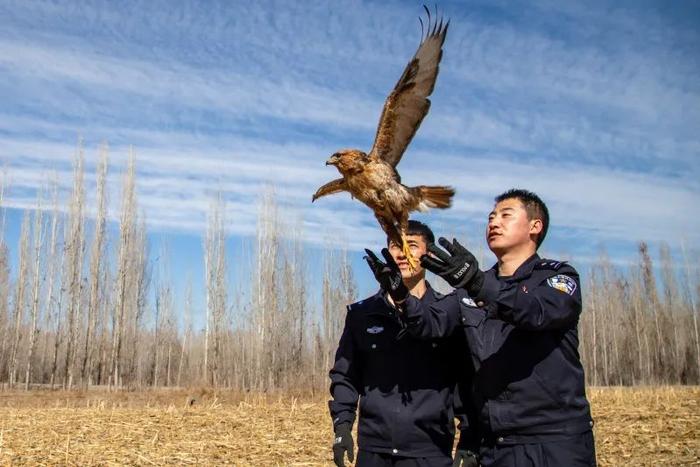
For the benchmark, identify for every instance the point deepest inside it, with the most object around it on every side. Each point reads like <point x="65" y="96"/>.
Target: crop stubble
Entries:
<point x="634" y="426"/>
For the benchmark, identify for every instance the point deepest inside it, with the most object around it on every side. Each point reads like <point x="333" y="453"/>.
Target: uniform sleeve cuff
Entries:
<point x="489" y="292"/>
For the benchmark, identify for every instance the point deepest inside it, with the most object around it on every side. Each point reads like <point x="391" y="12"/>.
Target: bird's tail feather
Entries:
<point x="433" y="197"/>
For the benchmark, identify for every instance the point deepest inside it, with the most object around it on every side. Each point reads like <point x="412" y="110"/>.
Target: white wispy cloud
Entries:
<point x="597" y="117"/>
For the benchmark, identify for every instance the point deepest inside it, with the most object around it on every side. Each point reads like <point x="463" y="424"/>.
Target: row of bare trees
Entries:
<point x="88" y="306"/>
<point x="640" y="326"/>
<point x="83" y="309"/>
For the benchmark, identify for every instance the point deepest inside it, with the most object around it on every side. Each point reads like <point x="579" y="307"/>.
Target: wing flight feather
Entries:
<point x="408" y="103"/>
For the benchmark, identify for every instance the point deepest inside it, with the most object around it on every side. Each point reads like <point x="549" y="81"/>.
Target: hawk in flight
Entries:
<point x="372" y="177"/>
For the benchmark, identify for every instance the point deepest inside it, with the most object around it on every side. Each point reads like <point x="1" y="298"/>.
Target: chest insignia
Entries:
<point x="563" y="283"/>
<point x="375" y="330"/>
<point x="468" y="301"/>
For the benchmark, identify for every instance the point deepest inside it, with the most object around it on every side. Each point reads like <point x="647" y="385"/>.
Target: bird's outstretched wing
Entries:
<point x="329" y="188"/>
<point x="408" y="103"/>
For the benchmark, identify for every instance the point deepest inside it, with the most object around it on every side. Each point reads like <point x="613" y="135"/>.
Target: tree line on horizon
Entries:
<point x="72" y="315"/>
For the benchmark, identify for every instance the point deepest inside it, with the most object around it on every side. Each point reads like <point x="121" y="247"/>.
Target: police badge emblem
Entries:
<point x="563" y="283"/>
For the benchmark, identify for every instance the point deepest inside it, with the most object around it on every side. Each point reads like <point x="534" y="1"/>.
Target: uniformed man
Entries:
<point x="405" y="386"/>
<point x="520" y="318"/>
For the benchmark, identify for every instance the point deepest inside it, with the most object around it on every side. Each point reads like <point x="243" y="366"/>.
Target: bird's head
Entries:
<point x="348" y="161"/>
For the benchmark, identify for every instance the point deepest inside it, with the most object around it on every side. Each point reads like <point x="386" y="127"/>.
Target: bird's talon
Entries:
<point x="412" y="263"/>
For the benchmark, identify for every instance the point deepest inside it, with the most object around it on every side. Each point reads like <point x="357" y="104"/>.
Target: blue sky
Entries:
<point x="595" y="106"/>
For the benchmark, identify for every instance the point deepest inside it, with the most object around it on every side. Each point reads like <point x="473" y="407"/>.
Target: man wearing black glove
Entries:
<point x="389" y="275"/>
<point x="459" y="268"/>
<point x="343" y="444"/>
<point x="520" y="319"/>
<point x="405" y="386"/>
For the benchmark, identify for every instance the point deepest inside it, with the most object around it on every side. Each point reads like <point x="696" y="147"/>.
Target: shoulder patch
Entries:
<point x="563" y="283"/>
<point x="468" y="302"/>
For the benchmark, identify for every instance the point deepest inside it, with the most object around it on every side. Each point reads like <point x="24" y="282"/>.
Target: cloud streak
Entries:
<point x="568" y="102"/>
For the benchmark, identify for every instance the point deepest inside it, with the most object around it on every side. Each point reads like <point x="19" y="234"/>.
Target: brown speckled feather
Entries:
<point x="372" y="178"/>
<point x="408" y="103"/>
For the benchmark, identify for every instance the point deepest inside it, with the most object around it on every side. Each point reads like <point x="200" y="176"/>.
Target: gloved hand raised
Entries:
<point x="457" y="266"/>
<point x="342" y="443"/>
<point x="388" y="275"/>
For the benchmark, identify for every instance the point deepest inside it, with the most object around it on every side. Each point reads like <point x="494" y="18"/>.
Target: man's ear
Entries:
<point x="536" y="226"/>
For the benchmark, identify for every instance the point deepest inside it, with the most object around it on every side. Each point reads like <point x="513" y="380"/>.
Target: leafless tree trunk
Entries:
<point x="58" y="336"/>
<point x="96" y="263"/>
<point x="265" y="292"/>
<point x="140" y="285"/>
<point x="50" y="275"/>
<point x="163" y="319"/>
<point x="4" y="308"/>
<point x="20" y="293"/>
<point x="653" y="301"/>
<point x="671" y="301"/>
<point x="36" y="278"/>
<point x="74" y="260"/>
<point x="187" y="332"/>
<point x="127" y="231"/>
<point x="216" y="296"/>
<point x="594" y="326"/>
<point x="338" y="292"/>
<point x="692" y="304"/>
<point x="4" y="290"/>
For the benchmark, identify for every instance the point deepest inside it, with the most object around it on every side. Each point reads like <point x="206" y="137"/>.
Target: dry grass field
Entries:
<point x="642" y="426"/>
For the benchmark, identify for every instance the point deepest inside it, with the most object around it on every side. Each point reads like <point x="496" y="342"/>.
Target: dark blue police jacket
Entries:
<point x="522" y="335"/>
<point x="405" y="385"/>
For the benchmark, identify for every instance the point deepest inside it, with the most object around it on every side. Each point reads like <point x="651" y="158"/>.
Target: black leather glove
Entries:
<point x="457" y="266"/>
<point x="342" y="443"/>
<point x="388" y="275"/>
<point x="465" y="458"/>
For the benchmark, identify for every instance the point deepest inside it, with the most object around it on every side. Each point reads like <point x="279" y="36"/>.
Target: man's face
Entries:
<point x="418" y="248"/>
<point x="509" y="227"/>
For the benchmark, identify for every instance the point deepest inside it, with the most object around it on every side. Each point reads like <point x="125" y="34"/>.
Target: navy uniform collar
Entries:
<point x="524" y="270"/>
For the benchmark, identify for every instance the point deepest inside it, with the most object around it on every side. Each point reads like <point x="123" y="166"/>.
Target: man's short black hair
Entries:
<point x="419" y="228"/>
<point x="534" y="206"/>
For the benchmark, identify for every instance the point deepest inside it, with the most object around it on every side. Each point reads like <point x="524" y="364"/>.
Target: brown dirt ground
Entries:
<point x="634" y="426"/>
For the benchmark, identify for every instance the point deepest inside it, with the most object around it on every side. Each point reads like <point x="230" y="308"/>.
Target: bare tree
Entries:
<point x="127" y="240"/>
<point x="139" y="286"/>
<point x="4" y="307"/>
<point x="265" y="295"/>
<point x="164" y="327"/>
<point x="97" y="259"/>
<point x="692" y="303"/>
<point x="4" y="290"/>
<point x="37" y="280"/>
<point x="339" y="291"/>
<point x="20" y="297"/>
<point x="187" y="326"/>
<point x="73" y="265"/>
<point x="216" y="296"/>
<point x="50" y="272"/>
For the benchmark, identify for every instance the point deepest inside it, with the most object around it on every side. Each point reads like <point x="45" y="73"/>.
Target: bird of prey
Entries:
<point x="372" y="177"/>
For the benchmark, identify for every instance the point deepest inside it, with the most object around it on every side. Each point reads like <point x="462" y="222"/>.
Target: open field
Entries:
<point x="641" y="426"/>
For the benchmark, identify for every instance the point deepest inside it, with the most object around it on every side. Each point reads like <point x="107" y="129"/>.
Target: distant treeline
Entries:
<point x="74" y="316"/>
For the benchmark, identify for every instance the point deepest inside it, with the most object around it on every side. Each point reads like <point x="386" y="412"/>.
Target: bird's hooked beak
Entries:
<point x="333" y="159"/>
